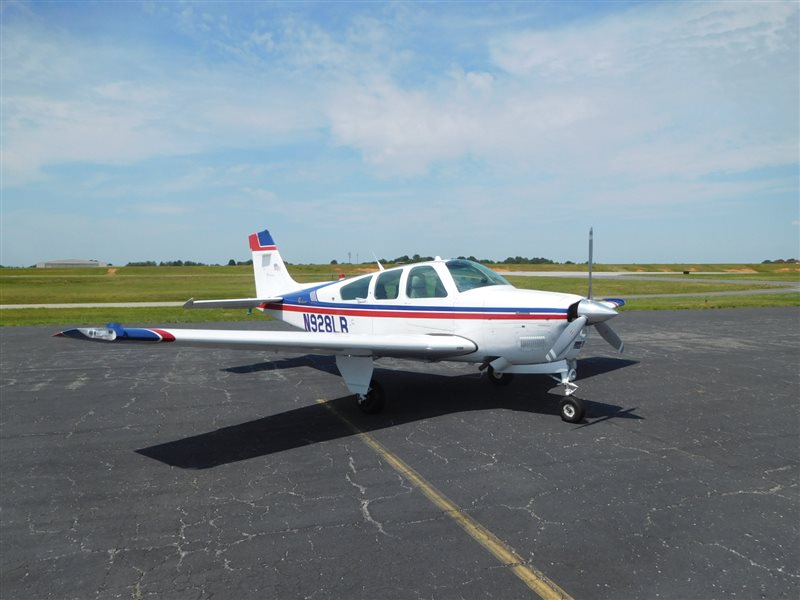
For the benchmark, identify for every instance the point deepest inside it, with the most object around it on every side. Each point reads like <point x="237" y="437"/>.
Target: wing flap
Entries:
<point x="422" y="346"/>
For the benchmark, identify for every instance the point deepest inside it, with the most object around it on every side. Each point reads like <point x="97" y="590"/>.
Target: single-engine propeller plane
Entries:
<point x="455" y="310"/>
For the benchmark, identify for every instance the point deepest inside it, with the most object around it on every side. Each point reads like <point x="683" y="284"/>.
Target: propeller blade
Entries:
<point x="610" y="336"/>
<point x="591" y="259"/>
<point x="566" y="338"/>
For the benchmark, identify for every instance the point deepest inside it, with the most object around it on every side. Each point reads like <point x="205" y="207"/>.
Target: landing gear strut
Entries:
<point x="499" y="379"/>
<point x="374" y="400"/>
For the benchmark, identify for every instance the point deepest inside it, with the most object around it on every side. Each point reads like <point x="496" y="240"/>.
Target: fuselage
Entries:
<point x="442" y="296"/>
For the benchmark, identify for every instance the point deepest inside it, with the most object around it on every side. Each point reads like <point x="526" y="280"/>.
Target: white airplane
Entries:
<point x="455" y="310"/>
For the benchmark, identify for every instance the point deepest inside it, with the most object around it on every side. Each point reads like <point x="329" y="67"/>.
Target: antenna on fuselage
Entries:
<point x="591" y="244"/>
<point x="380" y="266"/>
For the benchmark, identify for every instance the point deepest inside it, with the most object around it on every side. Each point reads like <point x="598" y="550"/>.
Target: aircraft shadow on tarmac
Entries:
<point x="321" y="362"/>
<point x="411" y="397"/>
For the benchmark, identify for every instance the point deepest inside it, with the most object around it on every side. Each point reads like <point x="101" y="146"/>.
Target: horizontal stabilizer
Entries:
<point x="231" y="303"/>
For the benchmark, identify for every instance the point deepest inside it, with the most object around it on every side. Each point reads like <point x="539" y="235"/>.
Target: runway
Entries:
<point x="135" y="472"/>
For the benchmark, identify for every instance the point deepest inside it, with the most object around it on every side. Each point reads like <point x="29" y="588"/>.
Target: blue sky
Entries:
<point x="161" y="131"/>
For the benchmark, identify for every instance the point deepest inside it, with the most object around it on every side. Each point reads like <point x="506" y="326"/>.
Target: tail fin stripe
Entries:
<point x="262" y="242"/>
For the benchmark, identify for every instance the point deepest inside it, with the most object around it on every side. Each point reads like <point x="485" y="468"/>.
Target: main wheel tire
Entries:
<point x="499" y="379"/>
<point x="374" y="401"/>
<point x="572" y="410"/>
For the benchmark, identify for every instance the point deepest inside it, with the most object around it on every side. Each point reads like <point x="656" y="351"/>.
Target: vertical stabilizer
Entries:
<point x="272" y="278"/>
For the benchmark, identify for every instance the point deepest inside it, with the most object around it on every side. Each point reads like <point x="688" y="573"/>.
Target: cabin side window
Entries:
<point x="387" y="287"/>
<point x="423" y="282"/>
<point x="356" y="289"/>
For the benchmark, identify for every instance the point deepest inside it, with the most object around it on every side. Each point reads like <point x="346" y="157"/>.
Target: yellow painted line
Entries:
<point x="532" y="577"/>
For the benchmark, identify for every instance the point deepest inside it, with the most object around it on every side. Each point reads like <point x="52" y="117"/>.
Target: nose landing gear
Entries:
<point x="572" y="409"/>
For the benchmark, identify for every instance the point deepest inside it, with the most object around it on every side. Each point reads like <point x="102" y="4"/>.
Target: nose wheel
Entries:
<point x="572" y="409"/>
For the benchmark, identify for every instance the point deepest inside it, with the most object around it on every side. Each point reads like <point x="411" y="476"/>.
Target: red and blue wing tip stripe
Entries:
<point x="165" y="336"/>
<point x="140" y="334"/>
<point x="618" y="301"/>
<point x="262" y="242"/>
<point x="121" y="334"/>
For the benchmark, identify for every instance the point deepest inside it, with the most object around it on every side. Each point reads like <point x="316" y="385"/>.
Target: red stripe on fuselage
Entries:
<point x="414" y="314"/>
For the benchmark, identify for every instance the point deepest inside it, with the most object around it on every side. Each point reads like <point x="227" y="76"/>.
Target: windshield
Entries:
<point x="469" y="275"/>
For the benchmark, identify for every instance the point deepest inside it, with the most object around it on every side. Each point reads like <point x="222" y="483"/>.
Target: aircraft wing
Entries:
<point x="420" y="346"/>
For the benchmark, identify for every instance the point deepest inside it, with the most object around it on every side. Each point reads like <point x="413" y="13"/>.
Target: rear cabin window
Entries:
<point x="356" y="289"/>
<point x="388" y="285"/>
<point x="423" y="282"/>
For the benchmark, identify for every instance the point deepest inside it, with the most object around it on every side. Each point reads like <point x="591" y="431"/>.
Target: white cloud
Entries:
<point x="69" y="99"/>
<point x="654" y="88"/>
<point x="44" y="131"/>
<point x="405" y="132"/>
<point x="279" y="109"/>
<point x="259" y="195"/>
<point x="161" y="208"/>
<point x="651" y="36"/>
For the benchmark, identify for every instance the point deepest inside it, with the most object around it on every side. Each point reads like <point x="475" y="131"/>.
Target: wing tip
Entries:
<point x="617" y="302"/>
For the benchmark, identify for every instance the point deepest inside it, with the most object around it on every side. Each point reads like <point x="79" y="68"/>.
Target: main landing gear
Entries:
<point x="374" y="400"/>
<point x="498" y="379"/>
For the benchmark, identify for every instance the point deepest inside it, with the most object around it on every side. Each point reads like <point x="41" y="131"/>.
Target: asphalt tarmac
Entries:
<point x="161" y="472"/>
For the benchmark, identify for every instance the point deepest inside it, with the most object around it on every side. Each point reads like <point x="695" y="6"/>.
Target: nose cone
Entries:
<point x="595" y="312"/>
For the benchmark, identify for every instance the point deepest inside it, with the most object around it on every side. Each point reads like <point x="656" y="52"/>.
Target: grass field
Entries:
<point x="129" y="316"/>
<point x="620" y="287"/>
<point x="177" y="284"/>
<point x="781" y="272"/>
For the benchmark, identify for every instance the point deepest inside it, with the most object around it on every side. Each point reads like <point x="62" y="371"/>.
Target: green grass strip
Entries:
<point x="132" y="317"/>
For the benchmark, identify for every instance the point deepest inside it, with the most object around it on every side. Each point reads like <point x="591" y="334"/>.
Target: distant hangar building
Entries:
<point x="70" y="263"/>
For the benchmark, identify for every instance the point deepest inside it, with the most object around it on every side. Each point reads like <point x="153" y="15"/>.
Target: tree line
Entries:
<point x="511" y="260"/>
<point x="515" y="260"/>
<point x="169" y="263"/>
